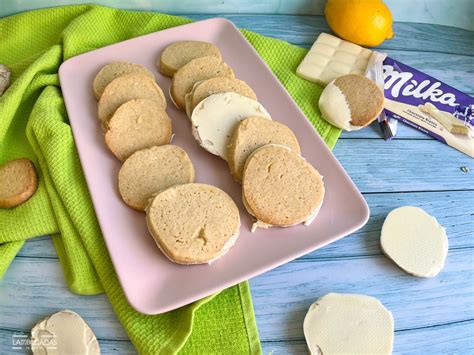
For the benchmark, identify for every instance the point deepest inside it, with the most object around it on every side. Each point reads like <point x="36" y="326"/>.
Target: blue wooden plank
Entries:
<point x="445" y="339"/>
<point x="303" y="30"/>
<point x="448" y="338"/>
<point x="34" y="288"/>
<point x="40" y="247"/>
<point x="443" y="12"/>
<point x="282" y="296"/>
<point x="109" y="347"/>
<point x="280" y="301"/>
<point x="404" y="165"/>
<point x="448" y="207"/>
<point x="373" y="132"/>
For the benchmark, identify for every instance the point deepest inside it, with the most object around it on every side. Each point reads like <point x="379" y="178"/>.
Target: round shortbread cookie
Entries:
<point x="18" y="182"/>
<point x="415" y="241"/>
<point x="348" y="324"/>
<point x="255" y="132"/>
<point x="193" y="223"/>
<point x="112" y="71"/>
<point x="188" y="99"/>
<point x="208" y="87"/>
<point x="216" y="117"/>
<point x="196" y="70"/>
<point x="149" y="171"/>
<point x="280" y="188"/>
<point x="136" y="125"/>
<point x="180" y="53"/>
<point x="351" y="102"/>
<point x="125" y="88"/>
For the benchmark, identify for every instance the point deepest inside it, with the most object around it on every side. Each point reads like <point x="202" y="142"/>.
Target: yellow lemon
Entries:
<point x="364" y="22"/>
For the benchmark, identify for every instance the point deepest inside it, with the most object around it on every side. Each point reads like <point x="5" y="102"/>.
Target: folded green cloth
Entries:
<point x="34" y="124"/>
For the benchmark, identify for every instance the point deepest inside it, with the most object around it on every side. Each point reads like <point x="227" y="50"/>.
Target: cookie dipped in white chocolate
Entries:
<point x="215" y="118"/>
<point x="351" y="102"/>
<point x="335" y="109"/>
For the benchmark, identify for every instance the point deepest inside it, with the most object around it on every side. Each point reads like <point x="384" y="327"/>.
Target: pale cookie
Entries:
<point x="125" y="88"/>
<point x="351" y="102"/>
<point x="196" y="70"/>
<point x="208" y="87"/>
<point x="255" y="132"/>
<point x="112" y="71"/>
<point x="193" y="223"/>
<point x="348" y="324"/>
<point x="18" y="182"/>
<point x="280" y="188"/>
<point x="415" y="241"/>
<point x="216" y="117"/>
<point x="180" y="53"/>
<point x="188" y="99"/>
<point x="136" y="125"/>
<point x="64" y="332"/>
<point x="149" y="171"/>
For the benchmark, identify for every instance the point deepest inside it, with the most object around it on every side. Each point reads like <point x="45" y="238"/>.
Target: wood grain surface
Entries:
<point x="431" y="315"/>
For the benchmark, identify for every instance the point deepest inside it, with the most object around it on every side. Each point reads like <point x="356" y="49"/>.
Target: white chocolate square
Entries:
<point x="328" y="39"/>
<point x="323" y="49"/>
<point x="331" y="57"/>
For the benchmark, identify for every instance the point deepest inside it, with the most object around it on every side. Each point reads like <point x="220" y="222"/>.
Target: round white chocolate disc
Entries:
<point x="64" y="332"/>
<point x="348" y="324"/>
<point x="415" y="241"/>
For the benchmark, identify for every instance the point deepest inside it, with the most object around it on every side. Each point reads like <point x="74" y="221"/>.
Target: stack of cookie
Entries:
<point x="279" y="187"/>
<point x="131" y="108"/>
<point x="191" y="223"/>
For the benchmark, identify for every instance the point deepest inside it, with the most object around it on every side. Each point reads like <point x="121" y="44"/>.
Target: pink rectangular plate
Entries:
<point x="150" y="281"/>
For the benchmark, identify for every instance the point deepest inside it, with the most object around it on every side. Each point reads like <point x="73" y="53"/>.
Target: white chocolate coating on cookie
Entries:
<point x="335" y="109"/>
<point x="215" y="117"/>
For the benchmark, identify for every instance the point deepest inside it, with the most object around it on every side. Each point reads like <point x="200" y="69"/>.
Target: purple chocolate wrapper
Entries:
<point x="408" y="85"/>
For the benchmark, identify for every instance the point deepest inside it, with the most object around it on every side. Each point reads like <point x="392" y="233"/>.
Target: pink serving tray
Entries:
<point x="150" y="281"/>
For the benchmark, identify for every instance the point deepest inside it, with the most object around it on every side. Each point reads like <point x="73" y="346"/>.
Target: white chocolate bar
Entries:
<point x="331" y="57"/>
<point x="448" y="121"/>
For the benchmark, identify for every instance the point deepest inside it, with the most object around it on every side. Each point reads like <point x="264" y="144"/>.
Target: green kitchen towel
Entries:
<point x="34" y="124"/>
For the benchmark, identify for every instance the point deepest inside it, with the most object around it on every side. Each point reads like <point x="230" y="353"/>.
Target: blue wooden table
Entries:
<point x="431" y="315"/>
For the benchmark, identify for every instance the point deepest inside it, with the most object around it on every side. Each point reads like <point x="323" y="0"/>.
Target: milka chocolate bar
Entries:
<point x="429" y="105"/>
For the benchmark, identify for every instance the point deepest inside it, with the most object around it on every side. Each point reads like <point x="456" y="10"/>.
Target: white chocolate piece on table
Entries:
<point x="215" y="117"/>
<point x="348" y="324"/>
<point x="331" y="57"/>
<point x="415" y="241"/>
<point x="447" y="120"/>
<point x="64" y="332"/>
